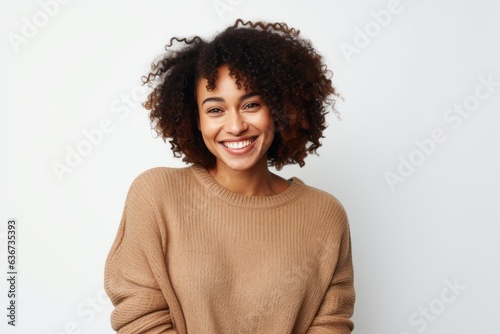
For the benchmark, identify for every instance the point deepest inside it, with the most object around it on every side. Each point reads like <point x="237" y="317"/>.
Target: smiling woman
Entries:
<point x="225" y="245"/>
<point x="238" y="130"/>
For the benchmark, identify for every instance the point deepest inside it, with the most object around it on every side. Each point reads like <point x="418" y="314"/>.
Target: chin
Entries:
<point x="237" y="166"/>
<point x="242" y="163"/>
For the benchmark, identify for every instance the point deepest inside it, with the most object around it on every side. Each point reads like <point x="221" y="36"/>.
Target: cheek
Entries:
<point x="268" y="123"/>
<point x="208" y="129"/>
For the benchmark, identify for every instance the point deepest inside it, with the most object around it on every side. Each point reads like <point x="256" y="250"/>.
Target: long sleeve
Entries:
<point x="337" y="307"/>
<point x="191" y="257"/>
<point x="135" y="271"/>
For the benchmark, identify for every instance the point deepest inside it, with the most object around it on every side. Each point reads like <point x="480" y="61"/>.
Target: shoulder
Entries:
<point x="321" y="196"/>
<point x="158" y="181"/>
<point x="161" y="174"/>
<point x="325" y="204"/>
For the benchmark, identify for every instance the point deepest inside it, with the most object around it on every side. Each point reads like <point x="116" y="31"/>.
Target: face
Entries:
<point x="236" y="125"/>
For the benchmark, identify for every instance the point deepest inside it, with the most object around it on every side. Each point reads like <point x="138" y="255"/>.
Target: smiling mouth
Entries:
<point x="238" y="145"/>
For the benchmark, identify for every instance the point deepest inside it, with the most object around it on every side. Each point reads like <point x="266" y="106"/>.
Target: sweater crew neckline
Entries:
<point x="295" y="189"/>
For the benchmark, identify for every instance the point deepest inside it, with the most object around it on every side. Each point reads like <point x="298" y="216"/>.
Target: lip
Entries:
<point x="238" y="139"/>
<point x="239" y="151"/>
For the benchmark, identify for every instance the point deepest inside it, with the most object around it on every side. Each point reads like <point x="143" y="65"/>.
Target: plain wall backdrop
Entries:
<point x="414" y="158"/>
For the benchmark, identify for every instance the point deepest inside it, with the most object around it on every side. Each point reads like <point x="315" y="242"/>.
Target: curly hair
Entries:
<point x="270" y="59"/>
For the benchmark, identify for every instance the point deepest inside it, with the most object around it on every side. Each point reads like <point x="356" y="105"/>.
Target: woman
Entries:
<point x="225" y="245"/>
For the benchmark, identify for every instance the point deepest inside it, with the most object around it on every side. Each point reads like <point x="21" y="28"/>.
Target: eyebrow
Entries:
<point x="220" y="99"/>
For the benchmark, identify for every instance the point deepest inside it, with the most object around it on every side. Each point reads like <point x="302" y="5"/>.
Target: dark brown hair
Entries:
<point x="270" y="59"/>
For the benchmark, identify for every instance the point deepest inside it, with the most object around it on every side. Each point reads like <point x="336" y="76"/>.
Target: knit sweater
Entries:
<point x="190" y="256"/>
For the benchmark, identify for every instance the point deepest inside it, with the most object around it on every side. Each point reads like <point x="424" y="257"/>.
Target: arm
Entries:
<point x="337" y="307"/>
<point x="135" y="268"/>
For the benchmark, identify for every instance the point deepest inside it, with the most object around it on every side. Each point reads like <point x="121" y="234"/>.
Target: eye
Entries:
<point x="251" y="105"/>
<point x="214" y="111"/>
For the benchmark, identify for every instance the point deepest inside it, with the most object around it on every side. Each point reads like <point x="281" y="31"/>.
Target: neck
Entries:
<point x="257" y="181"/>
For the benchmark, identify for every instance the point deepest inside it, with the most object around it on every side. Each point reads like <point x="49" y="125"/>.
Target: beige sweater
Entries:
<point x="192" y="257"/>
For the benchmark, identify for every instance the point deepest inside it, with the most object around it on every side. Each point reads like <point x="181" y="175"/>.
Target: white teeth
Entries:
<point x="237" y="145"/>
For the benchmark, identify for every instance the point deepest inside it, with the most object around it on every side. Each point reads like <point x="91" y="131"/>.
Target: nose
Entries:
<point x="235" y="123"/>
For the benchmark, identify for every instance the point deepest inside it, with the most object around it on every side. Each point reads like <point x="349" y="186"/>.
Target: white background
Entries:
<point x="440" y="224"/>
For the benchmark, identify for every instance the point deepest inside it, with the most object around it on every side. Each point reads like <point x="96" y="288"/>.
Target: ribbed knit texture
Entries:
<point x="192" y="257"/>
